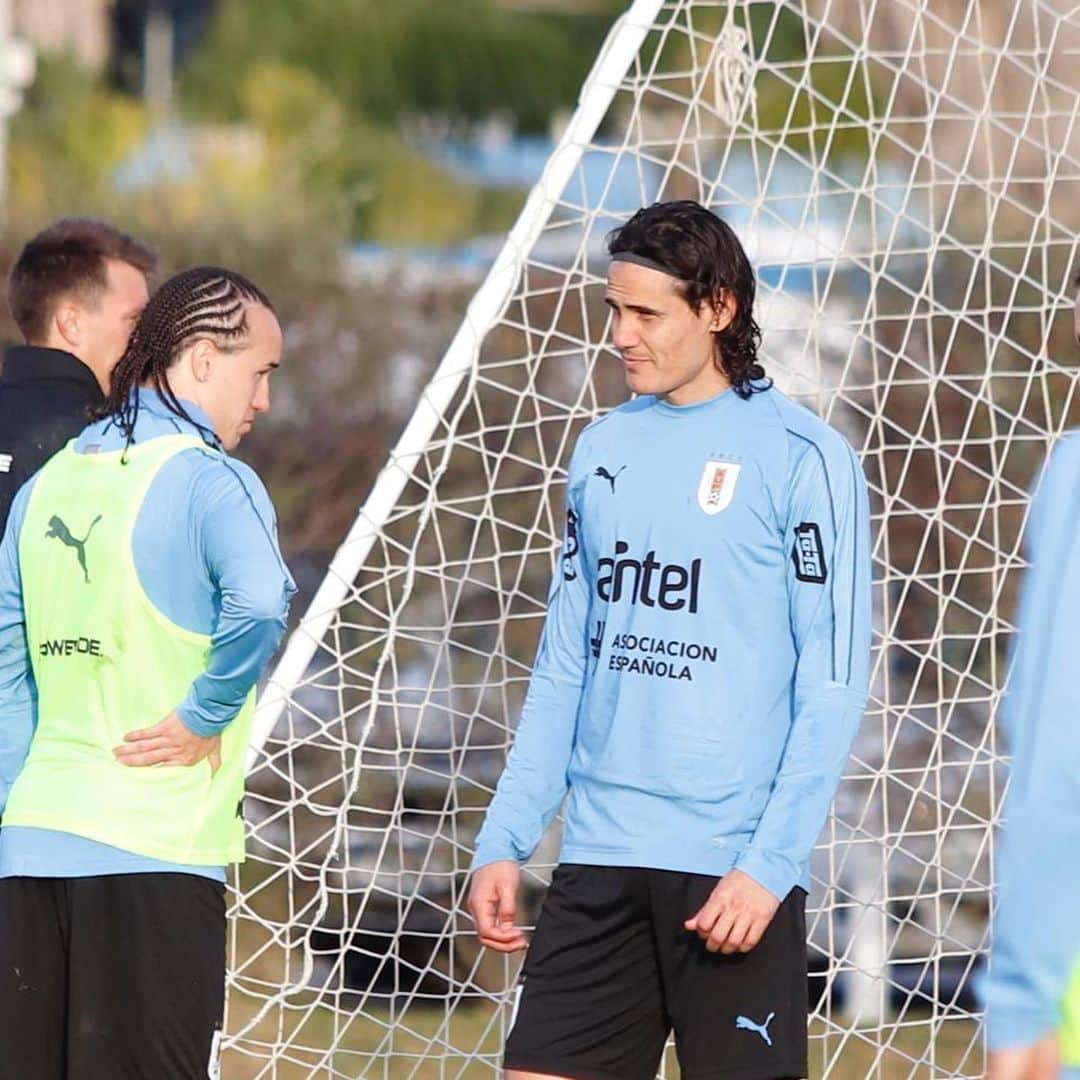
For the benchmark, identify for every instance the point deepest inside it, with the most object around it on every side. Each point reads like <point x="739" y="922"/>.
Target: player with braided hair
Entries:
<point x="142" y="574"/>
<point x="205" y="302"/>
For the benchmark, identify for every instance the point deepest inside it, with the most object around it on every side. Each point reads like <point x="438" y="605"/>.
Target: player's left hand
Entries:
<point x="168" y="743"/>
<point x="1039" y="1061"/>
<point x="735" y="916"/>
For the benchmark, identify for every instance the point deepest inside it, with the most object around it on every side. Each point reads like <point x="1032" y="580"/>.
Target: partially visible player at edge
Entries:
<point x="142" y="592"/>
<point x="702" y="671"/>
<point x="1033" y="985"/>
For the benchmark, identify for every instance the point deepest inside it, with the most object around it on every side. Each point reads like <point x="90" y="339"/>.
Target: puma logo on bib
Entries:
<point x="59" y="531"/>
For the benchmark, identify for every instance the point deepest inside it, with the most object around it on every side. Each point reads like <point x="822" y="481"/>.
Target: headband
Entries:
<point x="642" y="260"/>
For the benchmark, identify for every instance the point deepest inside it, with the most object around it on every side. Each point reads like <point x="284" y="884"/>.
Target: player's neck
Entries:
<point x="709" y="383"/>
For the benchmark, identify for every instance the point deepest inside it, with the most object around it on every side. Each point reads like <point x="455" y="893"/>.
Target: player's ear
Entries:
<point x="67" y="322"/>
<point x="724" y="308"/>
<point x="201" y="358"/>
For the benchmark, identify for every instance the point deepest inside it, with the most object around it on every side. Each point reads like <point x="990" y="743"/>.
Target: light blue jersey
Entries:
<point x="206" y="552"/>
<point x="1036" y="933"/>
<point x="705" y="659"/>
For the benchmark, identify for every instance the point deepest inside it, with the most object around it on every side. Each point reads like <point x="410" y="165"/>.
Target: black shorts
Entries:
<point x="611" y="971"/>
<point x="120" y="977"/>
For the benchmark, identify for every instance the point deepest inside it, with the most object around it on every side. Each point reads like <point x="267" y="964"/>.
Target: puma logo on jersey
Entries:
<point x="59" y="531"/>
<point x="605" y="475"/>
<point x="747" y="1024"/>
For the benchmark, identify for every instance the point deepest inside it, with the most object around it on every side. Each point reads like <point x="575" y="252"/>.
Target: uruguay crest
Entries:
<point x="717" y="487"/>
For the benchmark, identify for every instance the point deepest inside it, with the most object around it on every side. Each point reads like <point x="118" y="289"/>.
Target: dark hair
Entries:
<point x="205" y="302"/>
<point x="704" y="254"/>
<point x="68" y="259"/>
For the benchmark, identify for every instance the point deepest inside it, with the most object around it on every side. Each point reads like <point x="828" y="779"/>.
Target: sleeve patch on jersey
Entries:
<point x="808" y="554"/>
<point x="570" y="548"/>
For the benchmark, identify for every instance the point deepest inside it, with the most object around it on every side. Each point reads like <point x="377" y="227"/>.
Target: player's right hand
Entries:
<point x="493" y="906"/>
<point x="169" y="743"/>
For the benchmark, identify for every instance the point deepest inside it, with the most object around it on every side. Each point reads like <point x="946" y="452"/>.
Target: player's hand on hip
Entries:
<point x="493" y="901"/>
<point x="168" y="743"/>
<point x="735" y="916"/>
<point x="1040" y="1061"/>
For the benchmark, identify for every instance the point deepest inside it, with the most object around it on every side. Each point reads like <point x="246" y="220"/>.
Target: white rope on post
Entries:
<point x="621" y="47"/>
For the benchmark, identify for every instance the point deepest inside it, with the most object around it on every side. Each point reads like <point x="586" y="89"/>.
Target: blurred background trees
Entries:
<point x="283" y="139"/>
<point x="362" y="159"/>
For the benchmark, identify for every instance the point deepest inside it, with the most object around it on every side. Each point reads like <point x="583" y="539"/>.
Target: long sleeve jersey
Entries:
<point x="705" y="658"/>
<point x="206" y="552"/>
<point x="1036" y="933"/>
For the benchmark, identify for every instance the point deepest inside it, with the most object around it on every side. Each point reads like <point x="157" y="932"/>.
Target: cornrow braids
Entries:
<point x="204" y="302"/>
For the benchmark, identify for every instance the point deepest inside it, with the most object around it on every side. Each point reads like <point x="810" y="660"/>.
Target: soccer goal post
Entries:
<point x="905" y="176"/>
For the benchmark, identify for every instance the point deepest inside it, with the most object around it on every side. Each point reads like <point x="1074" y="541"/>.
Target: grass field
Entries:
<point x="425" y="1044"/>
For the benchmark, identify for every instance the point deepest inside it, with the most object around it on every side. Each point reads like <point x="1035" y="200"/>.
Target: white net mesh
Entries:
<point x="906" y="177"/>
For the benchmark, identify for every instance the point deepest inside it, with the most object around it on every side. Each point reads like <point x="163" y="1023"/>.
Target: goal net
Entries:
<point x="906" y="178"/>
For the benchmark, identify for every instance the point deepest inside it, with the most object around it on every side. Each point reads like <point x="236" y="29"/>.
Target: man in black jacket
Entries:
<point x="75" y="292"/>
